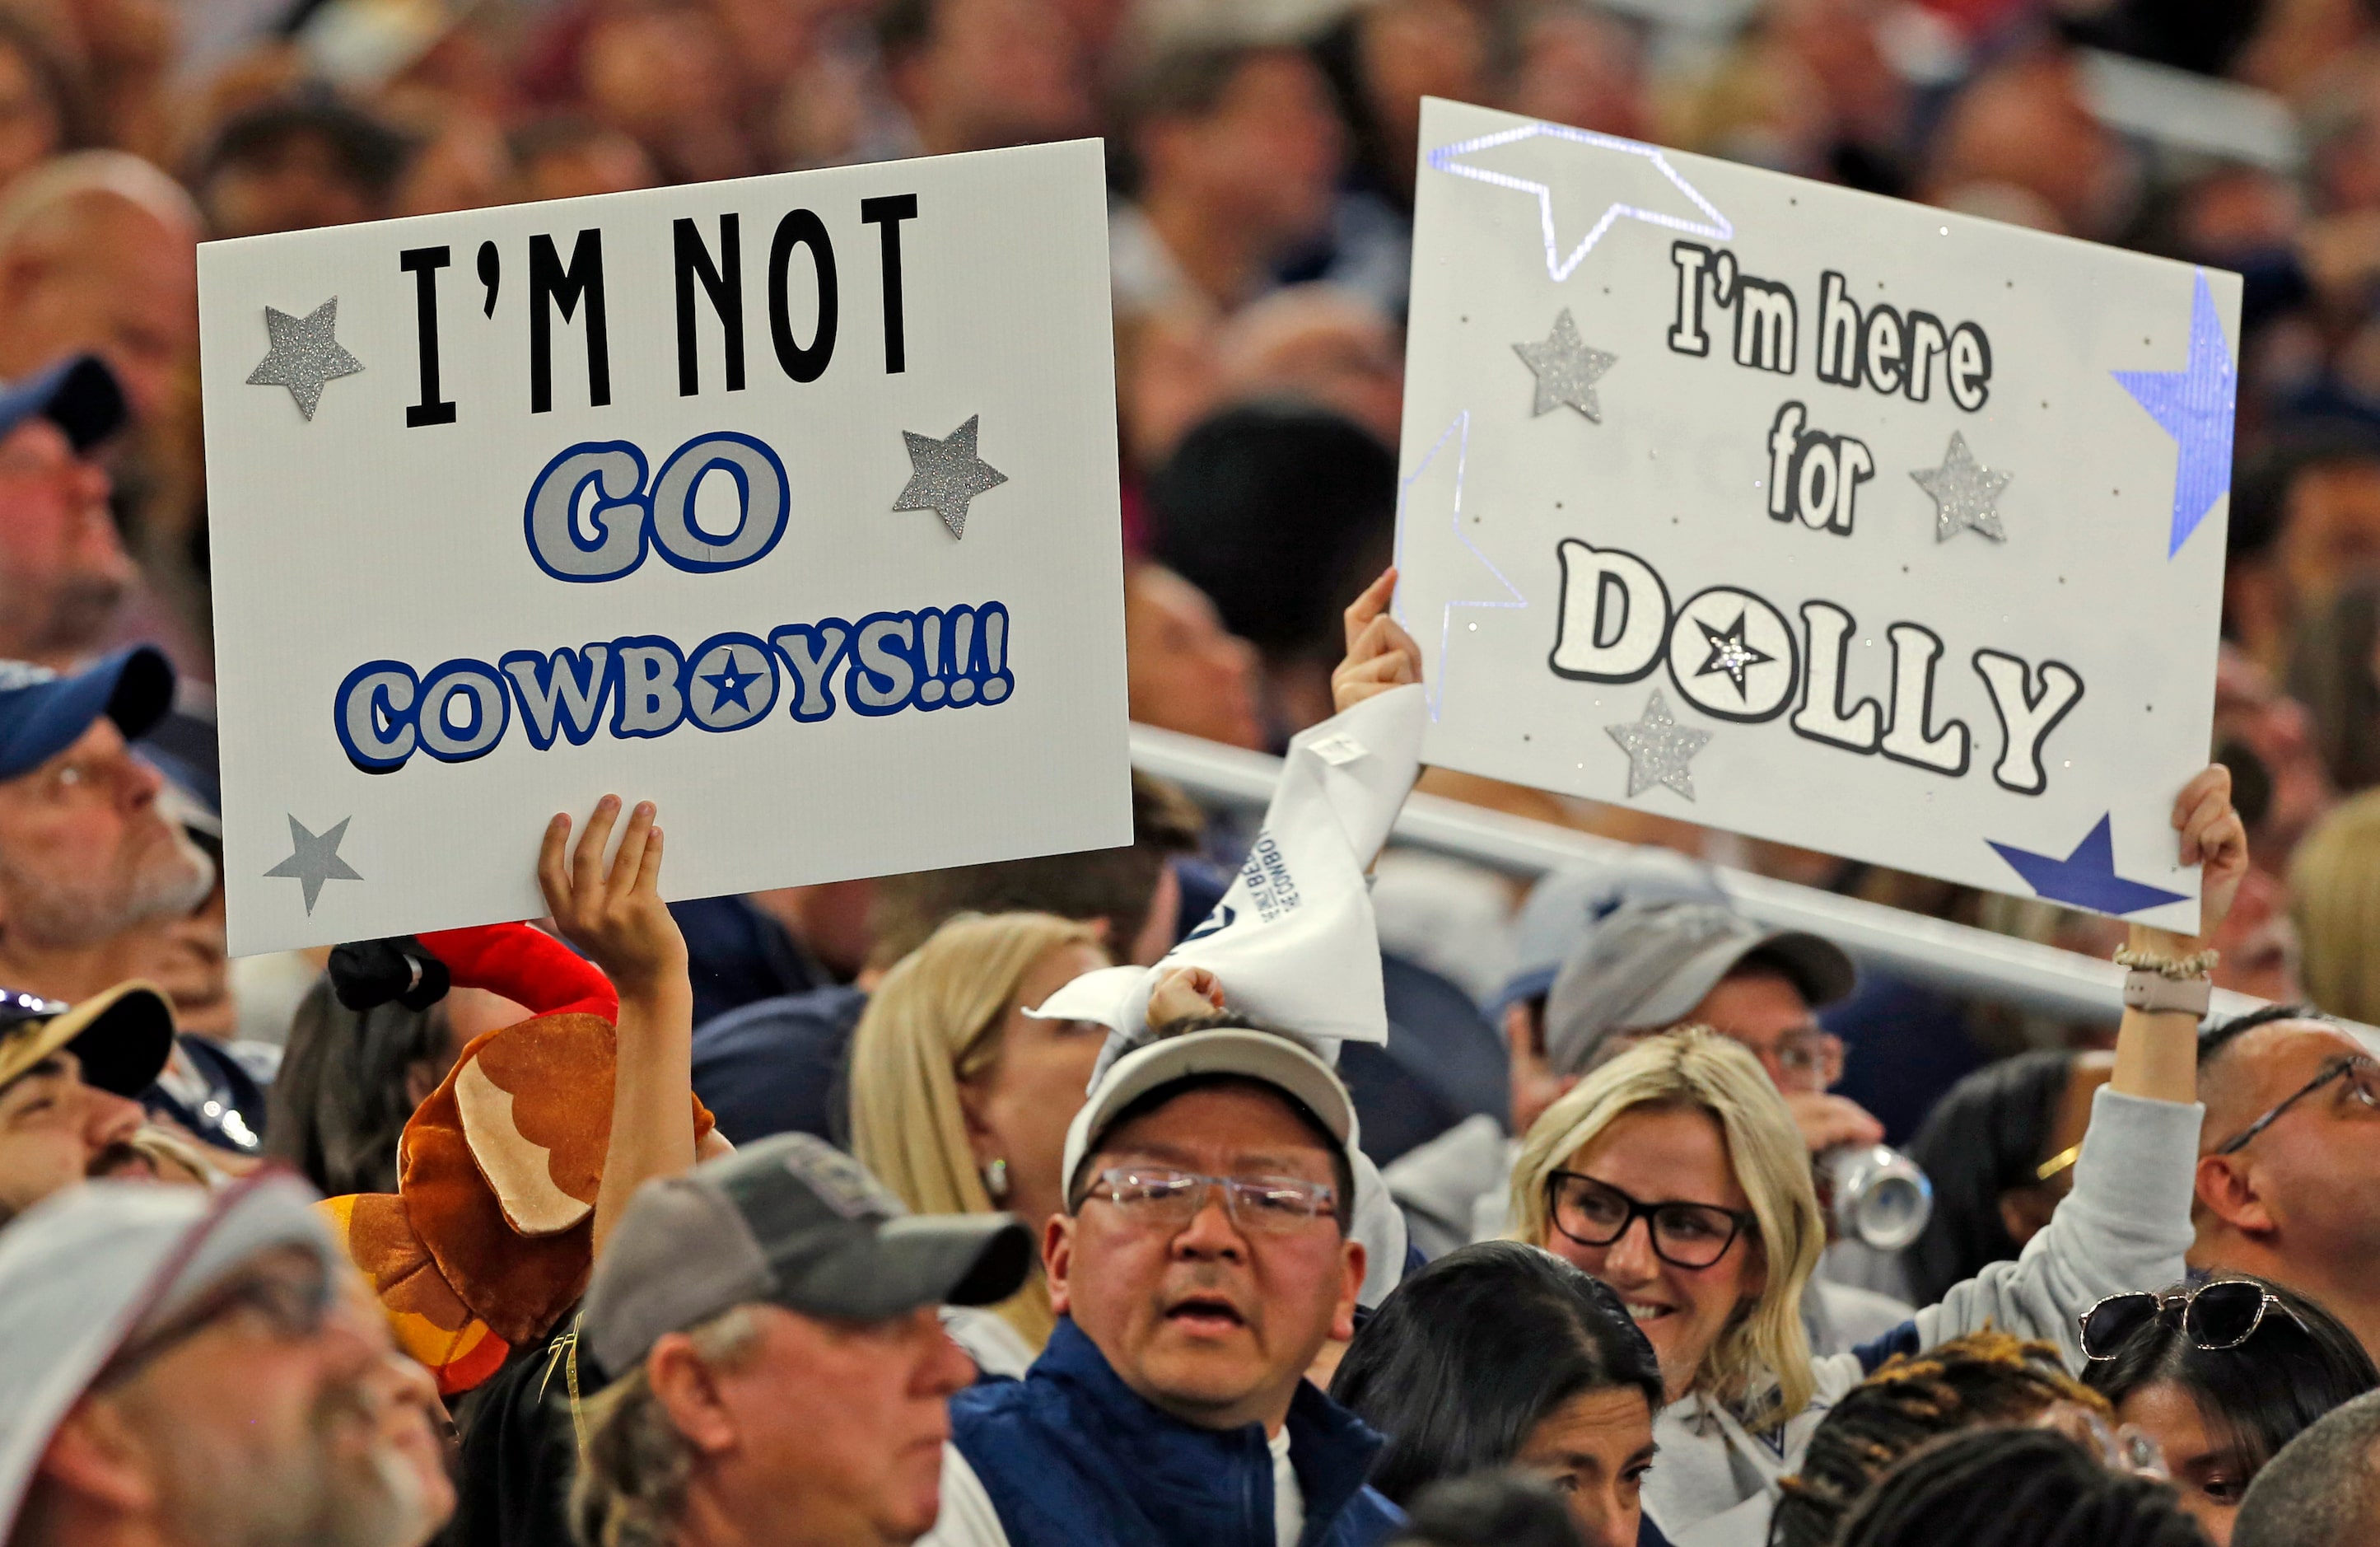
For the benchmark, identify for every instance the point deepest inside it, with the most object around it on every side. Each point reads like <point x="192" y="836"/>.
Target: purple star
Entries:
<point x="2087" y="877"/>
<point x="2195" y="405"/>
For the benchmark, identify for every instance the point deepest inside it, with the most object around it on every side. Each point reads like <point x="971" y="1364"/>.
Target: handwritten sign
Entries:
<point x="789" y="503"/>
<point x="1824" y="518"/>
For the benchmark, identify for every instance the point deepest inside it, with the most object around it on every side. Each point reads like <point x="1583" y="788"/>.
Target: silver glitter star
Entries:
<point x="1658" y="749"/>
<point x="944" y="475"/>
<point x="315" y="859"/>
<point x="1567" y="370"/>
<point x="304" y="354"/>
<point x="1730" y="652"/>
<point x="1965" y="492"/>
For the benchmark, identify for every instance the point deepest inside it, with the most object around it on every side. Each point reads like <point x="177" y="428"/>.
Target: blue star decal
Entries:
<point x="2195" y="405"/>
<point x="730" y="686"/>
<point x="2087" y="877"/>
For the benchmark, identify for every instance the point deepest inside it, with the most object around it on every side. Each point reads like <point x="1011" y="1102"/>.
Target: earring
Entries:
<point x="995" y="1179"/>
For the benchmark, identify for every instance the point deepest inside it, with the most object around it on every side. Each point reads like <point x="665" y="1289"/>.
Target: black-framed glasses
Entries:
<point x="2360" y="1070"/>
<point x="1683" y="1234"/>
<point x="291" y="1304"/>
<point x="2215" y="1316"/>
<point x="1160" y="1195"/>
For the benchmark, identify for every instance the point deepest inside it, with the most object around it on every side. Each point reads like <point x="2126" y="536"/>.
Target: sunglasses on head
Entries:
<point x="2224" y="1314"/>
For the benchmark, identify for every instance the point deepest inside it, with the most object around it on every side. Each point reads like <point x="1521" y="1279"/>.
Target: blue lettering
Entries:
<point x="560" y="692"/>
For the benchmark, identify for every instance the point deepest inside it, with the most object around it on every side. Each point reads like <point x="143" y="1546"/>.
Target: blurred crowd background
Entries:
<point x="1261" y="154"/>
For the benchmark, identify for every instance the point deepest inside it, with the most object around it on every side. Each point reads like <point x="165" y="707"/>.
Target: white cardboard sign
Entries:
<point x="789" y="503"/>
<point x="1828" y="518"/>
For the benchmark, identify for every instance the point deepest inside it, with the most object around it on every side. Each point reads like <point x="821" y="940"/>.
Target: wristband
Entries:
<point x="2155" y="994"/>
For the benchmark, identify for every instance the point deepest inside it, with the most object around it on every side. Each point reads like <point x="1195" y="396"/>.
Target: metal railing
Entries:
<point x="1955" y="957"/>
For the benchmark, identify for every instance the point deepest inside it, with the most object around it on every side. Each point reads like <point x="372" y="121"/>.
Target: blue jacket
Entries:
<point x="1071" y="1457"/>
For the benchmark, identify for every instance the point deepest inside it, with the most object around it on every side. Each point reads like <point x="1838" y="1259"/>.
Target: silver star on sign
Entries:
<point x="1567" y="370"/>
<point x="1963" y="491"/>
<point x="945" y="474"/>
<point x="315" y="859"/>
<point x="1658" y="749"/>
<point x="305" y="352"/>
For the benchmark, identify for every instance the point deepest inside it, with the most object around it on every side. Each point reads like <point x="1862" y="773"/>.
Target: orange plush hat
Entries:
<point x="489" y="1237"/>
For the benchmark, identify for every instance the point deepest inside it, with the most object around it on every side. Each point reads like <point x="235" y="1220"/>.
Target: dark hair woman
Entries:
<point x="1999" y="1148"/>
<point x="1500" y="1354"/>
<point x="2017" y="1488"/>
<point x="370" y="1040"/>
<point x="2221" y="1376"/>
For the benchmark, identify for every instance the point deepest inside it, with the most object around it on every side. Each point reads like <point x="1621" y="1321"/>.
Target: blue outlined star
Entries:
<point x="1444" y="159"/>
<point x="2087" y="877"/>
<point x="1461" y="430"/>
<point x="730" y="686"/>
<point x="2195" y="405"/>
<point x="314" y="859"/>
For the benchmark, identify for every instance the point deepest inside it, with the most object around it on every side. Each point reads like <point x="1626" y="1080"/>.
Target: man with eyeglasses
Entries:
<point x="183" y="1369"/>
<point x="68" y="1078"/>
<point x="1202" y="1263"/>
<point x="2289" y="1163"/>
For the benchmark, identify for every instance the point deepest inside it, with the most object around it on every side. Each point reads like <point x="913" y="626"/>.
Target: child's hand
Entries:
<point x="1182" y="993"/>
<point x="618" y="920"/>
<point x="1380" y="654"/>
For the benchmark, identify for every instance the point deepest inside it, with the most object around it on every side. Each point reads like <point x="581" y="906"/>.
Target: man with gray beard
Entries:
<point x="88" y="856"/>
<point x="189" y="1370"/>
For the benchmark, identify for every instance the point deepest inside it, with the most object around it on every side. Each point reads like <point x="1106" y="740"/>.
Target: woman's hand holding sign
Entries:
<point x="1380" y="654"/>
<point x="2156" y="1045"/>
<point x="2213" y="838"/>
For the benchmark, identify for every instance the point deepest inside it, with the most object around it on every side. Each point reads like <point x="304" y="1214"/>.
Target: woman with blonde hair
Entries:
<point x="1676" y="1175"/>
<point x="960" y="1100"/>
<point x="2335" y="882"/>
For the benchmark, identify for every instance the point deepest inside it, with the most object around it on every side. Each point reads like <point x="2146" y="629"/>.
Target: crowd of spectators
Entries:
<point x="784" y="1218"/>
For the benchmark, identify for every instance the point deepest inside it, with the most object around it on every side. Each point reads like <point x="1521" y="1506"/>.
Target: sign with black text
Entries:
<point x="1828" y="518"/>
<point x="789" y="503"/>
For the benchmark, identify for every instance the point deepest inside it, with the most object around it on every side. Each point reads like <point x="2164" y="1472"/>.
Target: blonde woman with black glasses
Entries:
<point x="1675" y="1174"/>
<point x="960" y="1100"/>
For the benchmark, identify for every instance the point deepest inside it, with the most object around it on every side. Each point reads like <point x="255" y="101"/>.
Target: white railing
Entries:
<point x="1952" y="957"/>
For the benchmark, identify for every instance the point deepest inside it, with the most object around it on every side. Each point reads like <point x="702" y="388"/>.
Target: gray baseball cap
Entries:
<point x="87" y="1269"/>
<point x="1565" y="904"/>
<point x="793" y="1222"/>
<point x="1646" y="965"/>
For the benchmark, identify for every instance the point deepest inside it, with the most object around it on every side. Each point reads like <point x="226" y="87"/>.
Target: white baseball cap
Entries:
<point x="1268" y="1057"/>
<point x="86" y="1269"/>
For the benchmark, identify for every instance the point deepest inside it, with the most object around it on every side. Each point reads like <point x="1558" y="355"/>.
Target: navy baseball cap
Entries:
<point x="79" y="396"/>
<point x="42" y="712"/>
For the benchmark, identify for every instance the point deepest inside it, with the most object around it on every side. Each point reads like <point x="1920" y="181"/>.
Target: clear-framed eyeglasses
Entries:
<point x="1164" y="1196"/>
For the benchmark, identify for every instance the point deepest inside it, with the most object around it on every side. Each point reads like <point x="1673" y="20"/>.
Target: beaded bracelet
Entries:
<point x="2198" y="964"/>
